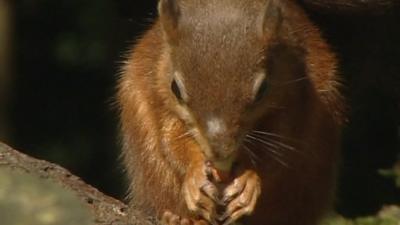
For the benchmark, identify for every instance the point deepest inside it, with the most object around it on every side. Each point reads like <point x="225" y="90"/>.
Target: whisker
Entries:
<point x="279" y="144"/>
<point x="291" y="81"/>
<point x="283" y="145"/>
<point x="267" y="144"/>
<point x="184" y="135"/>
<point x="283" y="163"/>
<point x="272" y="153"/>
<point x="252" y="155"/>
<point x="296" y="80"/>
<point x="270" y="134"/>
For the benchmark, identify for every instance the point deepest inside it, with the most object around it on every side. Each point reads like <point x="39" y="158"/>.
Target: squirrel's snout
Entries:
<point x="222" y="150"/>
<point x="221" y="138"/>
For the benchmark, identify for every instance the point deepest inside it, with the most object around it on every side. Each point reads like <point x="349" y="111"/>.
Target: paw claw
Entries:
<point x="200" y="194"/>
<point x="210" y="190"/>
<point x="169" y="218"/>
<point x="223" y="217"/>
<point x="241" y="197"/>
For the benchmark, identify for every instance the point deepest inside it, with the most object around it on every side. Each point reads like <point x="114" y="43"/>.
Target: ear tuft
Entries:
<point x="270" y="19"/>
<point x="169" y="13"/>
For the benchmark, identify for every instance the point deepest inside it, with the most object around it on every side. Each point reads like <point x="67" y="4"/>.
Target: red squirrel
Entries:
<point x="230" y="112"/>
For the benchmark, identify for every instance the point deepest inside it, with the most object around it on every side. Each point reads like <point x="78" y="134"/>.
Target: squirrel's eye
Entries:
<point x="262" y="91"/>
<point x="176" y="90"/>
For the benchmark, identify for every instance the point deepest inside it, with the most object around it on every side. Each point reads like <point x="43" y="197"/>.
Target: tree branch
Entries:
<point x="104" y="209"/>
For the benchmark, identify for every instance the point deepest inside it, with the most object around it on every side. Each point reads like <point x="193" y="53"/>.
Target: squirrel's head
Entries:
<point x="225" y="61"/>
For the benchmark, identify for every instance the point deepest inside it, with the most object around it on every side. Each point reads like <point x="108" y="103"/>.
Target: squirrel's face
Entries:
<point x="219" y="108"/>
<point x="218" y="66"/>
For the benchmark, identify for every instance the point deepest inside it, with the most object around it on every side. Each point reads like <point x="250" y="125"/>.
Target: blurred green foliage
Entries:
<point x="386" y="217"/>
<point x="392" y="174"/>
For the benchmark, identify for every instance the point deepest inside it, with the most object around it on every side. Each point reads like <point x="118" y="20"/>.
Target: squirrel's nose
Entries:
<point x="219" y="138"/>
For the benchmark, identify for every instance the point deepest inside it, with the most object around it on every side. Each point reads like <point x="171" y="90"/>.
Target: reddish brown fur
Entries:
<point x="309" y="115"/>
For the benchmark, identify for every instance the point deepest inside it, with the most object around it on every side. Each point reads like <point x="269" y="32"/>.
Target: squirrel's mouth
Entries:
<point x="224" y="164"/>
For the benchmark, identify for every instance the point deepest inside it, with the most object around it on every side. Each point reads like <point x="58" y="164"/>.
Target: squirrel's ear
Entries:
<point x="169" y="13"/>
<point x="270" y="19"/>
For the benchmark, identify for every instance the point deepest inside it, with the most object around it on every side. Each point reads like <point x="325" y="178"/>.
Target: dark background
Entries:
<point x="66" y="56"/>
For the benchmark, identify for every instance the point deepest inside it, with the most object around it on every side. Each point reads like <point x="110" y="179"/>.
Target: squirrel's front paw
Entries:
<point x="170" y="219"/>
<point x="241" y="197"/>
<point x="199" y="192"/>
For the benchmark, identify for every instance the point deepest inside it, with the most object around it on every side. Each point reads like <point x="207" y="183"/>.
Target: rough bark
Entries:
<point x="104" y="209"/>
